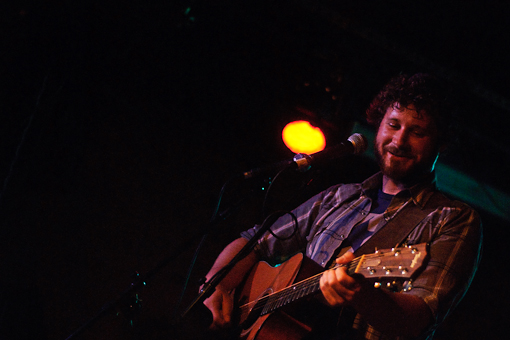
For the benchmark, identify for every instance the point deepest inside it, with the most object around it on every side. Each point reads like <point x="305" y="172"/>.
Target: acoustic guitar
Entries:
<point x="267" y="294"/>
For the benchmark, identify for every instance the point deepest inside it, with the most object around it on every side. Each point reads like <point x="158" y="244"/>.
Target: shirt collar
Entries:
<point x="424" y="190"/>
<point x="420" y="193"/>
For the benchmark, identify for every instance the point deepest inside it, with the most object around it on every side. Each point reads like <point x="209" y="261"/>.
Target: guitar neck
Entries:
<point x="395" y="263"/>
<point x="305" y="288"/>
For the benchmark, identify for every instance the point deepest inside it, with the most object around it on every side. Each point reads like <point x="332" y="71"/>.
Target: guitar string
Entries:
<point x="298" y="290"/>
<point x="303" y="288"/>
<point x="310" y="285"/>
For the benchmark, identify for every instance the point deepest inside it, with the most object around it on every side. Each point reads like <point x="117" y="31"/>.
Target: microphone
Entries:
<point x="355" y="144"/>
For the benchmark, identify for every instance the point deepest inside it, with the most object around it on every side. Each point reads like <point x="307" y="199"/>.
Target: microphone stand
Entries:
<point x="126" y="302"/>
<point x="126" y="297"/>
<point x="209" y="286"/>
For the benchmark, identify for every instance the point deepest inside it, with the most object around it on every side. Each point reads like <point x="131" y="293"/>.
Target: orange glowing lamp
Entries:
<point x="301" y="137"/>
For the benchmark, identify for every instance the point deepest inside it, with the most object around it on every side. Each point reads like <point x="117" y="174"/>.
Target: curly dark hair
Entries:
<point x="426" y="92"/>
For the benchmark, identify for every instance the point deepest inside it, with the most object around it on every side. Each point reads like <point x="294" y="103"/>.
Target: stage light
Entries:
<point x="301" y="137"/>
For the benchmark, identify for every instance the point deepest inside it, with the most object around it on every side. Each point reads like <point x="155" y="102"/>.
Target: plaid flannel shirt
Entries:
<point x="453" y="232"/>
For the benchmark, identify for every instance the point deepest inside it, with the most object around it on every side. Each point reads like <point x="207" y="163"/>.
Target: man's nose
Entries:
<point x="400" y="138"/>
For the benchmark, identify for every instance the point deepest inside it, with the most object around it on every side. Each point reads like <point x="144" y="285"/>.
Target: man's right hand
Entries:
<point x="221" y="304"/>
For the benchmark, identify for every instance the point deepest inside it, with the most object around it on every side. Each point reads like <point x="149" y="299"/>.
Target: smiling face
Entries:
<point x="406" y="145"/>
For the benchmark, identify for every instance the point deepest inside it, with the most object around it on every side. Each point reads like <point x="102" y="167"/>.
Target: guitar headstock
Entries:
<point x="395" y="263"/>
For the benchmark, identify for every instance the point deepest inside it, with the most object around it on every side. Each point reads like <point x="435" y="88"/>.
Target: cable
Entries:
<point x="213" y="220"/>
<point x="295" y="225"/>
<point x="22" y="141"/>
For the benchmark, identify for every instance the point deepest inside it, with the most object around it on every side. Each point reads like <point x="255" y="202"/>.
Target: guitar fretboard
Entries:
<point x="271" y="302"/>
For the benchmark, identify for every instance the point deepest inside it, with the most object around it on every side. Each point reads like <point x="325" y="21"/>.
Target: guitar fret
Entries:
<point x="296" y="291"/>
<point x="365" y="265"/>
<point x="291" y="293"/>
<point x="267" y="306"/>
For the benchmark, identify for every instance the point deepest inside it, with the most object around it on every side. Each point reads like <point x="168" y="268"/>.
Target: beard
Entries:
<point x="400" y="172"/>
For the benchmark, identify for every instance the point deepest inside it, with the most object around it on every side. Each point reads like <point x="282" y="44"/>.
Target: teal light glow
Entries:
<point x="457" y="184"/>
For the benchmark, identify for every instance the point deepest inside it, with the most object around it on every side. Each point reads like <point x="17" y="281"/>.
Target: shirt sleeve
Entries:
<point x="454" y="257"/>
<point x="286" y="237"/>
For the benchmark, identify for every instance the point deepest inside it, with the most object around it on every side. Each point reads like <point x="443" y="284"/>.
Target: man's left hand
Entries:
<point x="338" y="288"/>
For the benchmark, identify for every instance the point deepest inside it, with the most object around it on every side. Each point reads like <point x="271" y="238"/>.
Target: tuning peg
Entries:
<point x="408" y="285"/>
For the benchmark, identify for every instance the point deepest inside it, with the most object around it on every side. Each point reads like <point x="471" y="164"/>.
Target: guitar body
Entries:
<point x="264" y="280"/>
<point x="278" y="325"/>
<point x="268" y="298"/>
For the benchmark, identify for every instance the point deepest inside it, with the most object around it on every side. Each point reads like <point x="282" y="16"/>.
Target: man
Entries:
<point x="401" y="202"/>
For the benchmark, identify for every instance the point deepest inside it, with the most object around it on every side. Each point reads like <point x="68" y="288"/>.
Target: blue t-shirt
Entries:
<point x="368" y="226"/>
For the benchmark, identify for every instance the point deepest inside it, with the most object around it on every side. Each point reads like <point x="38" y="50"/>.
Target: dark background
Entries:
<point x="121" y="120"/>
